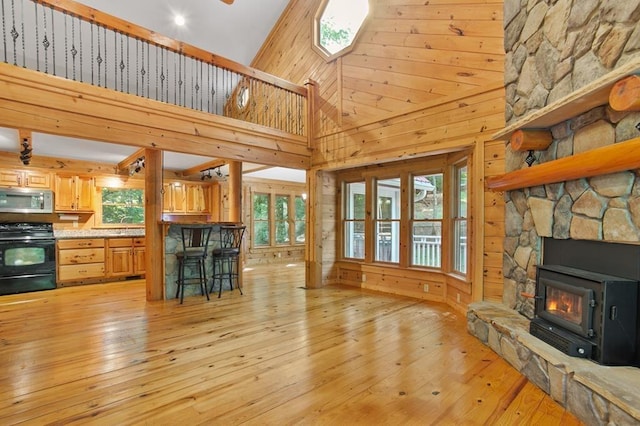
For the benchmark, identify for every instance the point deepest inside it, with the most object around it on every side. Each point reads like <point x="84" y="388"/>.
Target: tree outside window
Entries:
<point x="282" y="219"/>
<point x="122" y="206"/>
<point x="261" y="235"/>
<point x="300" y="219"/>
<point x="338" y="23"/>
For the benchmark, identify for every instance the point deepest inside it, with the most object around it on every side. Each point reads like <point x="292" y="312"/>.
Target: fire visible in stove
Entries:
<point x="563" y="304"/>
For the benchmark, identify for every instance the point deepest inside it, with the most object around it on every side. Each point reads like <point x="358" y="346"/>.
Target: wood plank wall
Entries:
<point x="424" y="78"/>
<point x="493" y="224"/>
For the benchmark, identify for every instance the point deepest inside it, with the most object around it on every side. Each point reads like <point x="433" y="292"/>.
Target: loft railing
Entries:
<point x="67" y="39"/>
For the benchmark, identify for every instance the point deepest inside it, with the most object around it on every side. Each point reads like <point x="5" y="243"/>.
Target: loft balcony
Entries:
<point x="71" y="70"/>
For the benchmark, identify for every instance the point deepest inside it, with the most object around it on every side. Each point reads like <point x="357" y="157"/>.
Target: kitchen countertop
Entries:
<point x="98" y="233"/>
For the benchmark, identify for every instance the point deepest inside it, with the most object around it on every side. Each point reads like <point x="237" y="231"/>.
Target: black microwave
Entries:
<point x="26" y="200"/>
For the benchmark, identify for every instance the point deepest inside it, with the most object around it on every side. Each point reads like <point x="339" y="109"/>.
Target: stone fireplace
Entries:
<point x="553" y="49"/>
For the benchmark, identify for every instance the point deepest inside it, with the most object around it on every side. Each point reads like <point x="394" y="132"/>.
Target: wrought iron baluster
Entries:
<point x="45" y="40"/>
<point x="157" y="71"/>
<point x="115" y="60"/>
<point x="24" y="55"/>
<point x="128" y="67"/>
<point x="137" y="65"/>
<point x="105" y="56"/>
<point x="149" y="68"/>
<point x="35" y="5"/>
<point x="4" y="32"/>
<point x="14" y="33"/>
<point x="168" y="75"/>
<point x="66" y="46"/>
<point x="122" y="64"/>
<point x="162" y="76"/>
<point x="81" y="50"/>
<point x="53" y="41"/>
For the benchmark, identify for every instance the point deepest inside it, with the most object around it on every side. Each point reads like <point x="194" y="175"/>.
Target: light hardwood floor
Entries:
<point x="280" y="354"/>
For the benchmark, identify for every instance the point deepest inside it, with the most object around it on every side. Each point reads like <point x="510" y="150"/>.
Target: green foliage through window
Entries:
<point x="122" y="206"/>
<point x="261" y="220"/>
<point x="340" y="22"/>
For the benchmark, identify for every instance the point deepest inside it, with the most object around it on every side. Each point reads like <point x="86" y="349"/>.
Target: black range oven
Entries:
<point x="27" y="257"/>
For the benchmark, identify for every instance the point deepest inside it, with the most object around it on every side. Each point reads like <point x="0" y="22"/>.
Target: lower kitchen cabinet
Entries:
<point x="139" y="256"/>
<point x="120" y="257"/>
<point x="90" y="260"/>
<point x="80" y="260"/>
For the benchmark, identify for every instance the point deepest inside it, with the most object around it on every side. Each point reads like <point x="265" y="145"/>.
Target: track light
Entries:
<point x="25" y="152"/>
<point x="212" y="174"/>
<point x="136" y="166"/>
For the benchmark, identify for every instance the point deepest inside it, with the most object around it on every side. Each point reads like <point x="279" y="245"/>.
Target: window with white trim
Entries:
<point x="353" y="223"/>
<point x="460" y="219"/>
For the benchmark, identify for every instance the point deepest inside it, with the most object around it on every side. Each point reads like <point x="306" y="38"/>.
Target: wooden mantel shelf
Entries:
<point x="600" y="161"/>
<point x="582" y="100"/>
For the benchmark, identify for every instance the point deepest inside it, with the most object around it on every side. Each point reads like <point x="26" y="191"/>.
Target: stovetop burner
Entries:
<point x="25" y="231"/>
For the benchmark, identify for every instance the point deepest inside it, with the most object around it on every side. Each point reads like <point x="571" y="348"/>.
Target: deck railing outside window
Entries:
<point x="426" y="250"/>
<point x="69" y="40"/>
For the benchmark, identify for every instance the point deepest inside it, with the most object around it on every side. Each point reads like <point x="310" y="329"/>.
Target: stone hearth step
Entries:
<point x="594" y="393"/>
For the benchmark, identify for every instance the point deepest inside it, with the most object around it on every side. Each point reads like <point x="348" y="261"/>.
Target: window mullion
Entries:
<point x="369" y="223"/>
<point x="405" y="217"/>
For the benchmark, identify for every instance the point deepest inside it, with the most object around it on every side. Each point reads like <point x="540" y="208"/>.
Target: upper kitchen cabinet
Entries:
<point x="174" y="197"/>
<point x="25" y="178"/>
<point x="198" y="198"/>
<point x="186" y="197"/>
<point x="74" y="193"/>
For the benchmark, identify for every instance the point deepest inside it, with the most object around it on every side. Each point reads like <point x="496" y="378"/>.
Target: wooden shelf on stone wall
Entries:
<point x="582" y="100"/>
<point x="614" y="158"/>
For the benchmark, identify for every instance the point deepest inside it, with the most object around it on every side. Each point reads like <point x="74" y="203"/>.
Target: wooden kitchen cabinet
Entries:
<point x="174" y="197"/>
<point x="139" y="256"/>
<point x="25" y="179"/>
<point x="74" y="193"/>
<point x="119" y="257"/>
<point x="80" y="260"/>
<point x="197" y="198"/>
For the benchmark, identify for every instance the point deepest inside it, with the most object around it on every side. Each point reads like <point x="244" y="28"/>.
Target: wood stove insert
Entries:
<point x="587" y="314"/>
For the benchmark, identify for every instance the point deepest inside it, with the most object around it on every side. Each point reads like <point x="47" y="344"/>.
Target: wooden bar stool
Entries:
<point x="195" y="241"/>
<point x="226" y="257"/>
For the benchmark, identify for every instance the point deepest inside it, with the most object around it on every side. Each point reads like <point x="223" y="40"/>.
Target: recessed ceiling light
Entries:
<point x="179" y="20"/>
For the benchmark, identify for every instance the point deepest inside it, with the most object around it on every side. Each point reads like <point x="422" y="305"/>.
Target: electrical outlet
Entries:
<point x="458" y="297"/>
<point x="364" y="278"/>
<point x="426" y="288"/>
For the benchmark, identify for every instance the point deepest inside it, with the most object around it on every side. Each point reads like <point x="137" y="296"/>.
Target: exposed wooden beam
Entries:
<point x="625" y="94"/>
<point x="600" y="161"/>
<point x="123" y="166"/>
<point x="204" y="166"/>
<point x="57" y="106"/>
<point x="527" y="140"/>
<point x="257" y="169"/>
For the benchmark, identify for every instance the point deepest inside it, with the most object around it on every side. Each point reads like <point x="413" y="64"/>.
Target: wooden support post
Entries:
<point x="528" y="140"/>
<point x="313" y="253"/>
<point x="154" y="255"/>
<point x="625" y="94"/>
<point x="312" y="89"/>
<point x="235" y="191"/>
